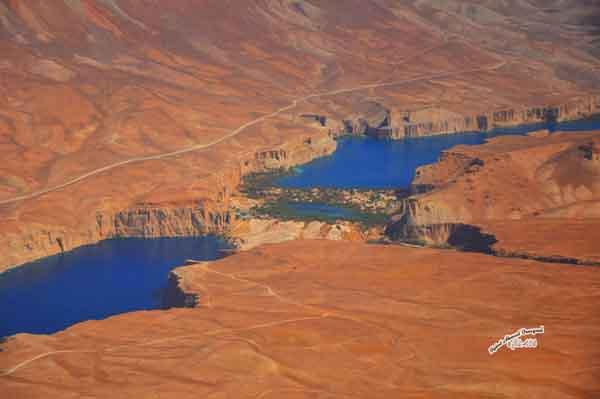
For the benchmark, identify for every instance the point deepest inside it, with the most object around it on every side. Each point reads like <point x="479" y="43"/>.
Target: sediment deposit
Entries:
<point x="252" y="233"/>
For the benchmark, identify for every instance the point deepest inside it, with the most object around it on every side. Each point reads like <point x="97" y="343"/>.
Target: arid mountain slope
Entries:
<point x="539" y="194"/>
<point x="311" y="319"/>
<point x="92" y="91"/>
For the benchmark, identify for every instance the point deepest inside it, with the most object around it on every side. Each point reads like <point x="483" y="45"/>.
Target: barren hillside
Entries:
<point x="137" y="117"/>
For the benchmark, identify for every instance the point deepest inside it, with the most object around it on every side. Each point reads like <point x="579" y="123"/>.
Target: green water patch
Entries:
<point x="318" y="211"/>
<point x="367" y="207"/>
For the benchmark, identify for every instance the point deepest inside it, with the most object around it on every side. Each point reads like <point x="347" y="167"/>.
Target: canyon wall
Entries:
<point x="528" y="183"/>
<point x="380" y="120"/>
<point x="163" y="219"/>
<point x="86" y="85"/>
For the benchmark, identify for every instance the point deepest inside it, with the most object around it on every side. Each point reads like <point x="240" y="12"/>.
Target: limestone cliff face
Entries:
<point x="369" y="118"/>
<point x="172" y="218"/>
<point x="376" y="120"/>
<point x="439" y="234"/>
<point x="167" y="222"/>
<point x="435" y="121"/>
<point x="142" y="221"/>
<point x="292" y="153"/>
<point x="248" y="234"/>
<point x="510" y="178"/>
<point x="86" y="85"/>
<point x="424" y="223"/>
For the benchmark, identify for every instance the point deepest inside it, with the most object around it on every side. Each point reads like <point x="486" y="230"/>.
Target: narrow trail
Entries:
<point x="12" y="370"/>
<point x="321" y="314"/>
<point x="41" y="356"/>
<point x="237" y="131"/>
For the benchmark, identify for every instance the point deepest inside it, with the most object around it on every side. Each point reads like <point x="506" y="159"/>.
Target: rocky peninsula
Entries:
<point x="530" y="196"/>
<point x="131" y="118"/>
<point x="320" y="318"/>
<point x="123" y="119"/>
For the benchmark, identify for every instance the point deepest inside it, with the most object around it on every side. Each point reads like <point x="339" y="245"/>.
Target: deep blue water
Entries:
<point x="368" y="163"/>
<point x="94" y="282"/>
<point x="126" y="275"/>
<point x="318" y="210"/>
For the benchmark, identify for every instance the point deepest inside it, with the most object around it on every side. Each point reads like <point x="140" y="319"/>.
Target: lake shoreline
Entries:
<point x="94" y="282"/>
<point x="85" y="243"/>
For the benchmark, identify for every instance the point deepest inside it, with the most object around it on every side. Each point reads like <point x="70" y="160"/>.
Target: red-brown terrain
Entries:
<point x="137" y="118"/>
<point x="538" y="195"/>
<point x="319" y="319"/>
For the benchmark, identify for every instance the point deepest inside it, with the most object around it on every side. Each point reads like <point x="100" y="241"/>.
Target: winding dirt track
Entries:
<point x="319" y="314"/>
<point x="237" y="131"/>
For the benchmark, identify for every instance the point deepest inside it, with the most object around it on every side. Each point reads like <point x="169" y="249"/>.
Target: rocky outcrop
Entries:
<point x="87" y="85"/>
<point x="377" y="120"/>
<point x="138" y="221"/>
<point x="251" y="233"/>
<point x="422" y="224"/>
<point x="327" y="319"/>
<point x="293" y="153"/>
<point x="455" y="235"/>
<point x="511" y="183"/>
<point x="162" y="218"/>
<point x="144" y="221"/>
<point x="370" y="119"/>
<point x="174" y="295"/>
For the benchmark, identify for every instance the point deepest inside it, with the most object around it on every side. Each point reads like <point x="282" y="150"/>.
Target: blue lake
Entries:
<point x="119" y="276"/>
<point x="94" y="282"/>
<point x="362" y="162"/>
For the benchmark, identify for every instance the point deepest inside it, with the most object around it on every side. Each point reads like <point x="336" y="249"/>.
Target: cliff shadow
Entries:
<point x="462" y="237"/>
<point x="174" y="297"/>
<point x="469" y="238"/>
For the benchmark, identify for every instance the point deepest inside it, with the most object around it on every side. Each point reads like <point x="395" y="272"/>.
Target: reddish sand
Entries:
<point x="312" y="319"/>
<point x="86" y="85"/>
<point x="106" y="94"/>
<point x="539" y="195"/>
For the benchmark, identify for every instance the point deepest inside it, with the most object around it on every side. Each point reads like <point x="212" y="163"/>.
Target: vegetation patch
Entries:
<point x="368" y="207"/>
<point x="327" y="213"/>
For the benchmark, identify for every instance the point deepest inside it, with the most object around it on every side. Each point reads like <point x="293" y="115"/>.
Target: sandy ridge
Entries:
<point x="237" y="131"/>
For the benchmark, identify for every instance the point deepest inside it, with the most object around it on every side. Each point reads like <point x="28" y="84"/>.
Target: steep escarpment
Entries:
<point x="142" y="114"/>
<point x="520" y="182"/>
<point x="431" y="122"/>
<point x="163" y="213"/>
<point x="384" y="121"/>
<point x="174" y="295"/>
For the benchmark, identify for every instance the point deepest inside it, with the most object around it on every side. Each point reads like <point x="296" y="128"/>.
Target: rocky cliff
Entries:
<point x="142" y="115"/>
<point x="511" y="179"/>
<point x="376" y="321"/>
<point x="169" y="217"/>
<point x="388" y="122"/>
<point x="252" y="233"/>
